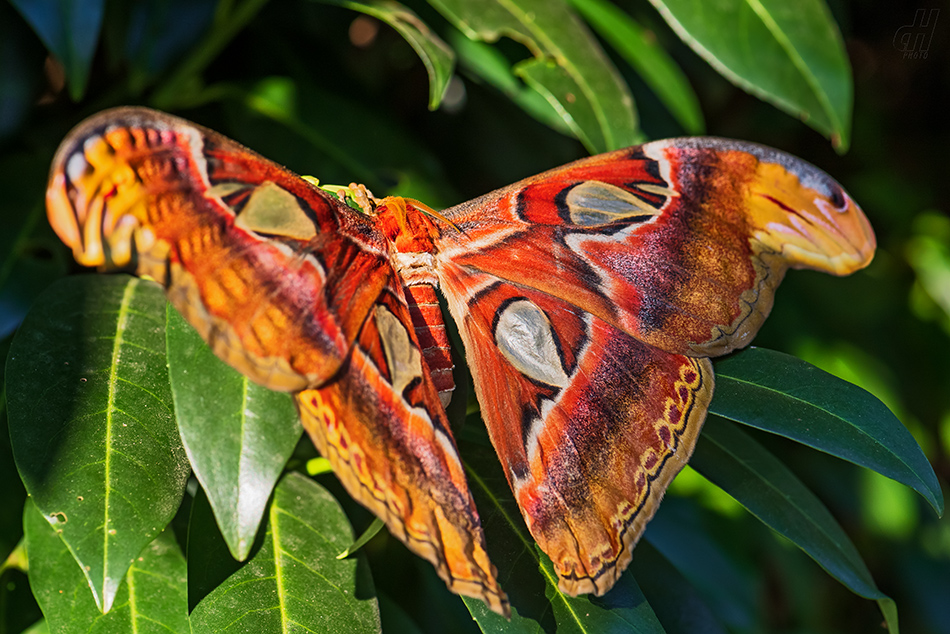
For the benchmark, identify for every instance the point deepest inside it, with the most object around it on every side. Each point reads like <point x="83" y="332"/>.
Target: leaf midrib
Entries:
<point x="796" y="59"/>
<point x="565" y="62"/>
<point x="527" y="544"/>
<point x="793" y="503"/>
<point x="809" y="404"/>
<point x="121" y="323"/>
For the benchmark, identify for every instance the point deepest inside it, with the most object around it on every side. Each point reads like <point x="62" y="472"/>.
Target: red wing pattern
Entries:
<point x="382" y="427"/>
<point x="680" y="243"/>
<point x="589" y="299"/>
<point x="276" y="275"/>
<point x="590" y="424"/>
<point x="295" y="290"/>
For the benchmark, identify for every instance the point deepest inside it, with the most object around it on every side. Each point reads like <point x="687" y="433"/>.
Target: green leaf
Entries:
<point x="527" y="574"/>
<point x="679" y="533"/>
<point x="787" y="53"/>
<point x="238" y="435"/>
<point x="70" y="30"/>
<point x="436" y="56"/>
<point x="729" y="458"/>
<point x="294" y="582"/>
<point x="680" y="608"/>
<point x="784" y="395"/>
<point x="490" y="65"/>
<point x="569" y="68"/>
<point x="370" y="532"/>
<point x="91" y="424"/>
<point x="560" y="90"/>
<point x="150" y="599"/>
<point x="640" y="49"/>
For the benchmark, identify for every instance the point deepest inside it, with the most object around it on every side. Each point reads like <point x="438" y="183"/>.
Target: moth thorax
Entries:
<point x="415" y="268"/>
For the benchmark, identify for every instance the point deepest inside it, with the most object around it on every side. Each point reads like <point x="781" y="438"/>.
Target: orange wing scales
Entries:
<point x="589" y="299"/>
<point x="144" y="186"/>
<point x="588" y="465"/>
<point x="393" y="451"/>
<point x="697" y="274"/>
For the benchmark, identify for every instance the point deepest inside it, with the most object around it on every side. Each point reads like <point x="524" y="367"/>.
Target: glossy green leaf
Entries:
<point x="151" y="598"/>
<point x="679" y="607"/>
<point x="294" y="582"/>
<point x="554" y="83"/>
<point x="681" y="535"/>
<point x="370" y="532"/>
<point x="91" y="423"/>
<point x="70" y="30"/>
<point x="528" y="576"/>
<point x="790" y="54"/>
<point x="785" y="395"/>
<point x="238" y="435"/>
<point x="436" y="56"/>
<point x="729" y="458"/>
<point x="490" y="65"/>
<point x="569" y="67"/>
<point x="640" y="49"/>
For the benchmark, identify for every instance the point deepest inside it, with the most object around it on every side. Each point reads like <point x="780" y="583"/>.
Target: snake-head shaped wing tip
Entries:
<point x="795" y="210"/>
<point x="843" y="234"/>
<point x="90" y="168"/>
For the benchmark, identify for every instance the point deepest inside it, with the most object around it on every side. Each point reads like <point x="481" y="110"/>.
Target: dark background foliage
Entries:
<point x="332" y="93"/>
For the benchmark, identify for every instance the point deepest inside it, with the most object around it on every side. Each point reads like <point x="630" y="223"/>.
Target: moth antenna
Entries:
<point x="429" y="211"/>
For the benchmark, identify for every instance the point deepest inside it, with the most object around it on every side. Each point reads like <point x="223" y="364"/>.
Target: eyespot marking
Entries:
<point x="596" y="203"/>
<point x="524" y="336"/>
<point x="273" y="210"/>
<point x="658" y="190"/>
<point x="402" y="357"/>
<point x="224" y="189"/>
